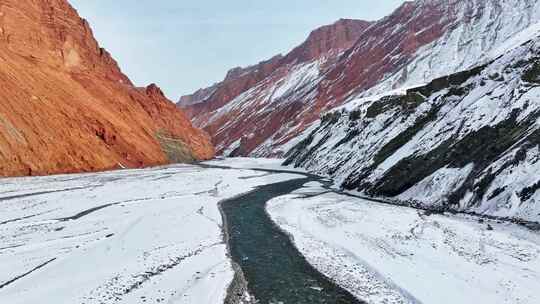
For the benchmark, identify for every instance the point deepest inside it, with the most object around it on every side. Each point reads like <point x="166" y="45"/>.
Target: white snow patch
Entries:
<point x="235" y="145"/>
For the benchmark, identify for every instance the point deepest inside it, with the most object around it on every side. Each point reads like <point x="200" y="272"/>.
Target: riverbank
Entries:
<point x="392" y="254"/>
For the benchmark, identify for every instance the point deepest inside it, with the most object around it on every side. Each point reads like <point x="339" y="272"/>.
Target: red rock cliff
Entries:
<point x="66" y="106"/>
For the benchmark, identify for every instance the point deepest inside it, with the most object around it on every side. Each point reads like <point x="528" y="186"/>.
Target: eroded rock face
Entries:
<point x="66" y="106"/>
<point x="420" y="41"/>
<point x="328" y="39"/>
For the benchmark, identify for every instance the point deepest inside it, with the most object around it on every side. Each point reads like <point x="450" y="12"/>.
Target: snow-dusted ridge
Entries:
<point x="479" y="30"/>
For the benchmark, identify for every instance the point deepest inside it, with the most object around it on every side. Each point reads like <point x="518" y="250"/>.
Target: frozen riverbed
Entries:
<point x="134" y="236"/>
<point x="156" y="236"/>
<point x="389" y="254"/>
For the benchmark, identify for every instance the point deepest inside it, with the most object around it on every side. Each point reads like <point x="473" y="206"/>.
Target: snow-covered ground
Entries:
<point x="247" y="163"/>
<point x="389" y="254"/>
<point x="133" y="236"/>
<point x="254" y="163"/>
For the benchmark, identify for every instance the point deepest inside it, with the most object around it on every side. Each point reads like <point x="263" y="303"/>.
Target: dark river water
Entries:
<point x="275" y="270"/>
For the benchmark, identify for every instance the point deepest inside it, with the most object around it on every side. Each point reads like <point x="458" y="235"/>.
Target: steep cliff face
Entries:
<point x="420" y="41"/>
<point x="328" y="39"/>
<point x="469" y="141"/>
<point x="66" y="106"/>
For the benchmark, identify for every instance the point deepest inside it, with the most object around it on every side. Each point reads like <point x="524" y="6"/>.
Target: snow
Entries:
<point x="254" y="163"/>
<point x="298" y="77"/>
<point x="434" y="189"/>
<point x="265" y="95"/>
<point x="129" y="236"/>
<point x="474" y="32"/>
<point x="289" y="84"/>
<point x="512" y="180"/>
<point x="389" y="254"/>
<point x="232" y="147"/>
<point x="517" y="40"/>
<point x="359" y="102"/>
<point x="155" y="235"/>
<point x="280" y="150"/>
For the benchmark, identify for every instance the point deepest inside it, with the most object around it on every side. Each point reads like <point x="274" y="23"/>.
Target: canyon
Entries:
<point x="390" y="161"/>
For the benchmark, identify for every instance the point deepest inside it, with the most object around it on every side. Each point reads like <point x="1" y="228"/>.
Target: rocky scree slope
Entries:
<point x="66" y="106"/>
<point x="469" y="141"/>
<point x="261" y="110"/>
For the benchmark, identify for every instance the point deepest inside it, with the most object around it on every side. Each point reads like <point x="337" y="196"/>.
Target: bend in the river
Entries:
<point x="275" y="271"/>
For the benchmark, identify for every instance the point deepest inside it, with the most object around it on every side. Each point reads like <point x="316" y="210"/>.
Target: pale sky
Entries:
<point x="185" y="45"/>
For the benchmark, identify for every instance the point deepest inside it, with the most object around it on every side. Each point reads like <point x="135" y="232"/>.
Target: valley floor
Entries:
<point x="155" y="236"/>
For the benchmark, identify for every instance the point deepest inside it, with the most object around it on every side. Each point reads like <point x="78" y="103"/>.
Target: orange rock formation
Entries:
<point x="65" y="106"/>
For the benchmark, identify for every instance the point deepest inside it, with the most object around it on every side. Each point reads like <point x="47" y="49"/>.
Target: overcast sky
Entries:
<point x="184" y="45"/>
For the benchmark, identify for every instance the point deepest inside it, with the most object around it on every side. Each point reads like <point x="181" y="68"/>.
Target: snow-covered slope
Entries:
<point x="420" y="41"/>
<point x="469" y="141"/>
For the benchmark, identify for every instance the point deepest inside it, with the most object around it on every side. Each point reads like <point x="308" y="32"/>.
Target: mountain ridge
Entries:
<point x="325" y="39"/>
<point x="419" y="41"/>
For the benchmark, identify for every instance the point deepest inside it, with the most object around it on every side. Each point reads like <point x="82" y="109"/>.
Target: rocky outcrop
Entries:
<point x="420" y="41"/>
<point x="66" y="106"/>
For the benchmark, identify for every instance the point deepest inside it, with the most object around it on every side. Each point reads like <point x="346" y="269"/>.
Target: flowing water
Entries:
<point x="275" y="270"/>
